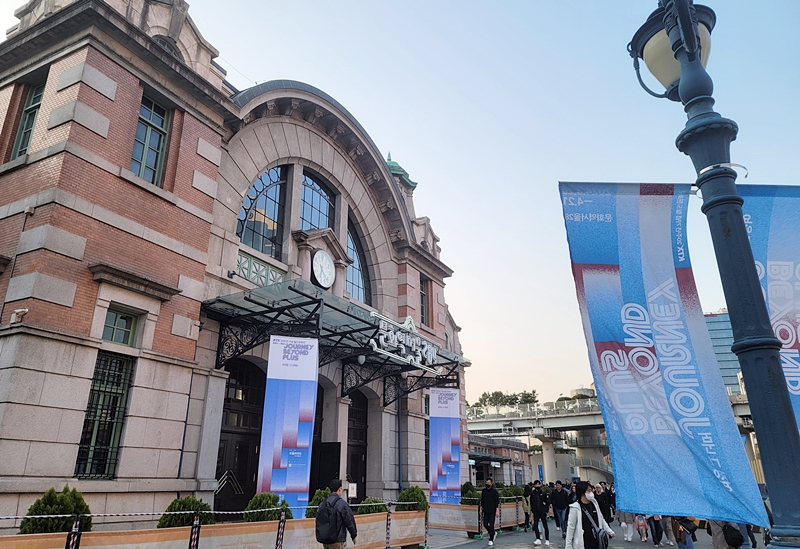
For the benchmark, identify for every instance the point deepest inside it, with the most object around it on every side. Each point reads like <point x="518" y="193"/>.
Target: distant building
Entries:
<point x="585" y="391"/>
<point x="719" y="328"/>
<point x="506" y="460"/>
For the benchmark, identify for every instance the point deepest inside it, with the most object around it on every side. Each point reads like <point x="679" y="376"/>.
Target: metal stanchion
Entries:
<point x="498" y="531"/>
<point x="389" y="525"/>
<point x="516" y="511"/>
<point x="194" y="535"/>
<point x="74" y="536"/>
<point x="281" y="526"/>
<point x="425" y="546"/>
<point x="479" y="535"/>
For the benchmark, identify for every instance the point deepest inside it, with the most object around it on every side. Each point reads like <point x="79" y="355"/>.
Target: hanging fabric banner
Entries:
<point x="770" y="215"/>
<point x="445" y="446"/>
<point x="675" y="447"/>
<point x="287" y="429"/>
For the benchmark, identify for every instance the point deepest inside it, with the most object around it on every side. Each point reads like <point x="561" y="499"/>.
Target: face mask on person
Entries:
<point x="590" y="496"/>
<point x="488" y="484"/>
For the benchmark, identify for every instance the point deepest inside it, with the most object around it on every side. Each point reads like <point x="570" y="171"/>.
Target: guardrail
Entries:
<point x="587" y="442"/>
<point x="562" y="408"/>
<point x="589" y="462"/>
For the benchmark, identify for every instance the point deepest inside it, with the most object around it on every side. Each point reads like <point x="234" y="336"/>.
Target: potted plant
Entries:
<point x="67" y="502"/>
<point x="266" y="507"/>
<point x="188" y="503"/>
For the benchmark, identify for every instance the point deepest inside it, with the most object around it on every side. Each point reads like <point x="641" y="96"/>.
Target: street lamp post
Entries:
<point x="706" y="139"/>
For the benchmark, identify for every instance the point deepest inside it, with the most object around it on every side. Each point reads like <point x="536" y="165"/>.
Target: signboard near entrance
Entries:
<point x="445" y="444"/>
<point x="288" y="426"/>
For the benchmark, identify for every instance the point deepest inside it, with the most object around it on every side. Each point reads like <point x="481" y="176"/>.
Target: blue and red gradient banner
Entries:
<point x="287" y="429"/>
<point x="771" y="217"/>
<point x="674" y="444"/>
<point x="445" y="446"/>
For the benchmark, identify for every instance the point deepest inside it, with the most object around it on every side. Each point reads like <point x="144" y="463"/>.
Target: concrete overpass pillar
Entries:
<point x="548" y="462"/>
<point x="748" y="448"/>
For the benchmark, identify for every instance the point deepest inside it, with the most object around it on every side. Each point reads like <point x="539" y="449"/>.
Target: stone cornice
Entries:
<point x="133" y="282"/>
<point x="432" y="266"/>
<point x="76" y="18"/>
<point x="326" y="236"/>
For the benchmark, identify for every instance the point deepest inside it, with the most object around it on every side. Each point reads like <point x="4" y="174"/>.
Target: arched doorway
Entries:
<point x="240" y="436"/>
<point x="357" y="442"/>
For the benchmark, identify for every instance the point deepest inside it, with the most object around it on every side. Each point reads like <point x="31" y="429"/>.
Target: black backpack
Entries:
<point x="327" y="525"/>
<point x="733" y="537"/>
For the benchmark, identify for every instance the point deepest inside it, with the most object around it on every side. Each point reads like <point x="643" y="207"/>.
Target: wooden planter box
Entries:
<point x="407" y="529"/>
<point x="464" y="518"/>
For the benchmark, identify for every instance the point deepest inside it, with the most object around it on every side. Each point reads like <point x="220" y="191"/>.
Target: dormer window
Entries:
<point x="169" y="45"/>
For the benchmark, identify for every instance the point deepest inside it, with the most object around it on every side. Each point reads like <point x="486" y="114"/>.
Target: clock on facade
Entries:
<point x="323" y="268"/>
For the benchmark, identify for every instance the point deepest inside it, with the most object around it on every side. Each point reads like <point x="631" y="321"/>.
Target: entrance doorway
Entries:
<point x="357" y="443"/>
<point x="324" y="455"/>
<point x="240" y="437"/>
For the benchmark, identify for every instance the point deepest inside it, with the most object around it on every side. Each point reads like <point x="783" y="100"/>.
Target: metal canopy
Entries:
<point x="345" y="331"/>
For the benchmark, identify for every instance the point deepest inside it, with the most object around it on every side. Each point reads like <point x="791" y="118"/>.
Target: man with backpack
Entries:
<point x="335" y="519"/>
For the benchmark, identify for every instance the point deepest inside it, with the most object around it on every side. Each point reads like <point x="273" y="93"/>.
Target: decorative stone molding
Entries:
<point x="336" y="130"/>
<point x="386" y="205"/>
<point x="314" y="114"/>
<point x="323" y="238"/>
<point x="291" y="106"/>
<point x="355" y="149"/>
<point x="133" y="282"/>
<point x="271" y="108"/>
<point x="373" y="177"/>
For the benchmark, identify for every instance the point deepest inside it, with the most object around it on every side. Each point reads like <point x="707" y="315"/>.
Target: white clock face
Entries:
<point x="324" y="269"/>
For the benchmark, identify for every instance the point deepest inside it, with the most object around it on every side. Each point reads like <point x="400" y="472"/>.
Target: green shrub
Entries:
<point x="68" y="502"/>
<point x="266" y="500"/>
<point x="316" y="501"/>
<point x="187" y="503"/>
<point x="470" y="498"/>
<point x="413" y="494"/>
<point x="466" y="488"/>
<point x="371" y="505"/>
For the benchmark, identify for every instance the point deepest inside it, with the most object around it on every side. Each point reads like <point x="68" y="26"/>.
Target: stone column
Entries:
<point x="294" y="195"/>
<point x="304" y="260"/>
<point x="549" y="461"/>
<point x="339" y="283"/>
<point x="210" y="429"/>
<point x="341" y="423"/>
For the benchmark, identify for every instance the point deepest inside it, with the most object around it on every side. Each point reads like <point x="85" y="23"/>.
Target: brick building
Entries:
<point x="156" y="226"/>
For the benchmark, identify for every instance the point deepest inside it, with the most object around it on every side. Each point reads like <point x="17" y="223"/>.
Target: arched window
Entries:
<point x="357" y="275"/>
<point x="316" y="208"/>
<point x="261" y="217"/>
<point x="169" y="44"/>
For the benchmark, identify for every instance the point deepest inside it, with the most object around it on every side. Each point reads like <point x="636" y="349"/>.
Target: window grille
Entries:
<point x="424" y="290"/>
<point x="316" y="208"/>
<point x="357" y="276"/>
<point x="98" y="453"/>
<point x="260" y="223"/>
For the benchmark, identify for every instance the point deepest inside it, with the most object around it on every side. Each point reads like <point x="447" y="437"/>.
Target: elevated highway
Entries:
<point x="579" y="415"/>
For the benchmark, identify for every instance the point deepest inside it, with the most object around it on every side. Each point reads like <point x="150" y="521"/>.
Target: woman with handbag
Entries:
<point x="586" y="527"/>
<point x="684" y="529"/>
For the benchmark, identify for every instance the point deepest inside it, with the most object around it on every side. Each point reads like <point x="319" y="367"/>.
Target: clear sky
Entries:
<point x="488" y="105"/>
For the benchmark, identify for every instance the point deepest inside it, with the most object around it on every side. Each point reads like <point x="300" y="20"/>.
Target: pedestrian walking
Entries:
<point x="641" y="527"/>
<point x="656" y="528"/>
<point x="583" y="516"/>
<point x="573" y="495"/>
<point x="539" y="507"/>
<point x="526" y="504"/>
<point x="602" y="499"/>
<point x="560" y="500"/>
<point x="490" y="503"/>
<point x="669" y="532"/>
<point x="683" y="529"/>
<point x="335" y="519"/>
<point x="628" y="523"/>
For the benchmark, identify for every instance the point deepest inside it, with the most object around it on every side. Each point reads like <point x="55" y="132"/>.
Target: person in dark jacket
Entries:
<point x="539" y="506"/>
<point x="490" y="503"/>
<point x="560" y="500"/>
<point x="602" y="499"/>
<point x="344" y="516"/>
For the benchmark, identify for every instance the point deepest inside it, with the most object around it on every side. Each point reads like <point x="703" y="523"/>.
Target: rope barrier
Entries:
<point x="153" y="513"/>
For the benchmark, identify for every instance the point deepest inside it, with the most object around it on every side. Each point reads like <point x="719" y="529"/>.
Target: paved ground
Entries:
<point x="442" y="539"/>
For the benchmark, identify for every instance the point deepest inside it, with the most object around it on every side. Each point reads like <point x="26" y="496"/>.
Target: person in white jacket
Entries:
<point x="580" y="534"/>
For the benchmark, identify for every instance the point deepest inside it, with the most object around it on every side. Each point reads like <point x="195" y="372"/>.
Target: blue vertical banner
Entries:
<point x="287" y="429"/>
<point x="674" y="444"/>
<point x="771" y="215"/>
<point x="445" y="446"/>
